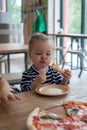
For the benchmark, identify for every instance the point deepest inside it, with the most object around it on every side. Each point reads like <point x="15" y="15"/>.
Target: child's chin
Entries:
<point x="43" y="66"/>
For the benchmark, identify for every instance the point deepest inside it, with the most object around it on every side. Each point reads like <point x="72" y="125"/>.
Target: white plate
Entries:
<point x="52" y="89"/>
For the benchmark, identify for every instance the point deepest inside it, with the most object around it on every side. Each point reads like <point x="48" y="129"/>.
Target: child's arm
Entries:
<point x="39" y="79"/>
<point x="5" y="94"/>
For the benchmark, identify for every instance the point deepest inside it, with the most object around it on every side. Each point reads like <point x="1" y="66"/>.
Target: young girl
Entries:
<point x="40" y="53"/>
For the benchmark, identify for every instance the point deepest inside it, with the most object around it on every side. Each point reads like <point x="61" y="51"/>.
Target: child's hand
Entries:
<point x="66" y="74"/>
<point x="41" y="78"/>
<point x="6" y="96"/>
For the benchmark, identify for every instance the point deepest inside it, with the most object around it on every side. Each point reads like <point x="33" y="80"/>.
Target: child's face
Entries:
<point x="41" y="54"/>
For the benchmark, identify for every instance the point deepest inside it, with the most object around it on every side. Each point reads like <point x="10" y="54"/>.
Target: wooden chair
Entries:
<point x="13" y="78"/>
<point x="58" y="47"/>
<point x="61" y="56"/>
<point x="79" y="54"/>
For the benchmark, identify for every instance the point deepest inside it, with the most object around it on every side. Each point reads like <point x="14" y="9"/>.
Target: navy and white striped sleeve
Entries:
<point x="57" y="77"/>
<point x="53" y="76"/>
<point x="26" y="82"/>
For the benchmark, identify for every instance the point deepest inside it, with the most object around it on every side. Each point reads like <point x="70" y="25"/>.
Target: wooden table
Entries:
<point x="14" y="48"/>
<point x="13" y="116"/>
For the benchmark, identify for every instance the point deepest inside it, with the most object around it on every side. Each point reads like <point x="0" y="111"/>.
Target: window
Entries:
<point x="86" y="16"/>
<point x="72" y="16"/>
<point x="15" y="7"/>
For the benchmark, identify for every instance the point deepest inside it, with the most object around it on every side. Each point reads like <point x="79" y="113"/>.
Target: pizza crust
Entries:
<point x="57" y="68"/>
<point x="75" y="102"/>
<point x="30" y="119"/>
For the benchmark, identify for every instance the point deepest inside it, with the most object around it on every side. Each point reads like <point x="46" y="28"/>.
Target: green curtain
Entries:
<point x="39" y="24"/>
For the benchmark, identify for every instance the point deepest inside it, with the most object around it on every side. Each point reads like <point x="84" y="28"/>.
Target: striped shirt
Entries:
<point x="29" y="76"/>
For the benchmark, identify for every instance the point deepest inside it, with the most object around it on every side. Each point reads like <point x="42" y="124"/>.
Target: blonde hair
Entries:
<point x="38" y="37"/>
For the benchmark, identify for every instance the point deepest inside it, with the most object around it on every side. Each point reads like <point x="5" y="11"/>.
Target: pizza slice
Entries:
<point x="57" y="68"/>
<point x="77" y="109"/>
<point x="43" y="120"/>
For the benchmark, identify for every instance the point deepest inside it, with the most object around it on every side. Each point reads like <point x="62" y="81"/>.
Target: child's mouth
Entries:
<point x="42" y="62"/>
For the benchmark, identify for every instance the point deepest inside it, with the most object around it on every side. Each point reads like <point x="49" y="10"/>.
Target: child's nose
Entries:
<point x="44" y="56"/>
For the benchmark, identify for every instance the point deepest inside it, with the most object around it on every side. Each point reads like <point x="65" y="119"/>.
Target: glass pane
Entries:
<point x="15" y="6"/>
<point x="74" y="16"/>
<point x="86" y="16"/>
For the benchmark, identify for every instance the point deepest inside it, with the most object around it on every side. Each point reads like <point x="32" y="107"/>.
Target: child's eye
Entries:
<point x="38" y="53"/>
<point x="48" y="54"/>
